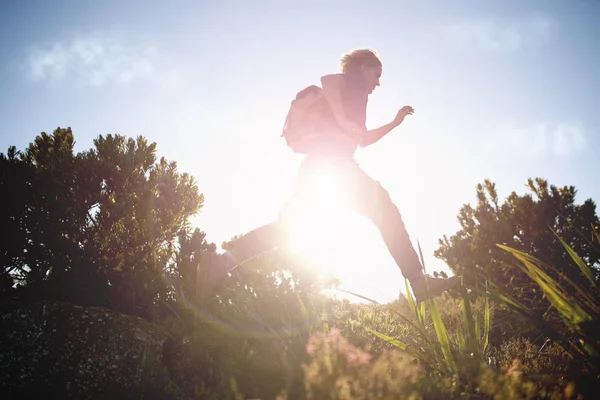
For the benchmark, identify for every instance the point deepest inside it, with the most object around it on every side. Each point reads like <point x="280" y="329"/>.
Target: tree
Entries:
<point x="529" y="223"/>
<point x="109" y="226"/>
<point x="94" y="228"/>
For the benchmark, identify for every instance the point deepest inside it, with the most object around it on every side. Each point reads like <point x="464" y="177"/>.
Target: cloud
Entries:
<point x="500" y="36"/>
<point x="92" y="60"/>
<point x="568" y="139"/>
<point x="563" y="140"/>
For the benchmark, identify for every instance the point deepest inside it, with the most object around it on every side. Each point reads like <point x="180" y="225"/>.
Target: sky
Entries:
<point x="502" y="90"/>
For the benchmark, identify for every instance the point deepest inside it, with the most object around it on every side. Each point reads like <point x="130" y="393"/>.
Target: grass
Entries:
<point x="459" y="348"/>
<point x="439" y="348"/>
<point x="577" y="307"/>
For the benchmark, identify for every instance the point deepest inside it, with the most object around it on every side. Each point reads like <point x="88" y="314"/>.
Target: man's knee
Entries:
<point x="380" y="207"/>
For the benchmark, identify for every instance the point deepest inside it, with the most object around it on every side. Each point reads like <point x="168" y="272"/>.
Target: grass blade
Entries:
<point x="388" y="339"/>
<point x="596" y="234"/>
<point x="418" y="312"/>
<point x="486" y="324"/>
<point x="419" y="328"/>
<point x="569" y="309"/>
<point x="422" y="313"/>
<point x="571" y="312"/>
<point x="477" y="330"/>
<point x="461" y="339"/>
<point x="442" y="335"/>
<point x="512" y="303"/>
<point x="582" y="265"/>
<point x="357" y="295"/>
<point x="325" y="320"/>
<point x="405" y="318"/>
<point x="471" y="335"/>
<point x="411" y="301"/>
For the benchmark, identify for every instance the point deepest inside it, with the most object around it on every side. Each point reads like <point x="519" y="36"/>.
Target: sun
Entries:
<point x="324" y="226"/>
<point x="319" y="216"/>
<point x="333" y="237"/>
<point x="319" y="230"/>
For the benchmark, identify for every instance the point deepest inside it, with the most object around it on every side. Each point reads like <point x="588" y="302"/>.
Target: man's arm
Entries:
<point x="375" y="135"/>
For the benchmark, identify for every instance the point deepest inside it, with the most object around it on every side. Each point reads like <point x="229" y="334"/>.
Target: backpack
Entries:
<point x="308" y="120"/>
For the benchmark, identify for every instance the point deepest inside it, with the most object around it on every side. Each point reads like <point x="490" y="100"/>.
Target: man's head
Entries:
<point x="364" y="62"/>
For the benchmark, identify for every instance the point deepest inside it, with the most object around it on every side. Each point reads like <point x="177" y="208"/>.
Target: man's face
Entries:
<point x="372" y="75"/>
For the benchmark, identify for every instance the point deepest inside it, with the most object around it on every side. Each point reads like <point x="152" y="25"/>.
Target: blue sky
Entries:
<point x="504" y="90"/>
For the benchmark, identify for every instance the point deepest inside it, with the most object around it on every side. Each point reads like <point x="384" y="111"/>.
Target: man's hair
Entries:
<point x="353" y="61"/>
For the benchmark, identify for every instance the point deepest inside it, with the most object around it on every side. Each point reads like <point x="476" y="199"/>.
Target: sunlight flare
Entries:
<point x="319" y="217"/>
<point x="327" y="231"/>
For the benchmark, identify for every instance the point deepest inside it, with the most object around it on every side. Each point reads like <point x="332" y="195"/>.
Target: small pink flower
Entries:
<point x="312" y="344"/>
<point x="365" y="358"/>
<point x="515" y="369"/>
<point x="335" y="338"/>
<point x="310" y="348"/>
<point x="356" y="357"/>
<point x="340" y="345"/>
<point x="335" y="334"/>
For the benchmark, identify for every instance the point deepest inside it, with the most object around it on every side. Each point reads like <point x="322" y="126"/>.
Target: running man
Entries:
<point x="347" y="94"/>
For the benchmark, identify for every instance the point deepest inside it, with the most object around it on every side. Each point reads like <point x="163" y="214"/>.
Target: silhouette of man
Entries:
<point x="346" y="94"/>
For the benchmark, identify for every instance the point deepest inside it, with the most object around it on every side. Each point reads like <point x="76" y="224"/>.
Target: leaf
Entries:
<point x="422" y="313"/>
<point x="388" y="339"/>
<point x="596" y="234"/>
<point x="442" y="335"/>
<point x="522" y="255"/>
<point x="419" y="313"/>
<point x="486" y="324"/>
<point x="411" y="300"/>
<point x="477" y="329"/>
<point x="570" y="310"/>
<point x="358" y="295"/>
<point x="418" y="327"/>
<point x="461" y="339"/>
<point x="471" y="334"/>
<point x="582" y="265"/>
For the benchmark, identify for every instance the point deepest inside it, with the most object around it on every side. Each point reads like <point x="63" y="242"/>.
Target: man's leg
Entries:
<point x="373" y="201"/>
<point x="277" y="233"/>
<point x="213" y="267"/>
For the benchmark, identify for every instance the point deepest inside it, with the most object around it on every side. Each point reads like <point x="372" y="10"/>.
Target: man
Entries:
<point x="346" y="95"/>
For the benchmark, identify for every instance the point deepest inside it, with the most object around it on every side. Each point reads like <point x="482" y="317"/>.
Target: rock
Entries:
<point x="57" y="350"/>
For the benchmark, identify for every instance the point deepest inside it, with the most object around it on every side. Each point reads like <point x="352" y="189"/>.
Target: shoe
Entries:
<point x="211" y="270"/>
<point x="426" y="287"/>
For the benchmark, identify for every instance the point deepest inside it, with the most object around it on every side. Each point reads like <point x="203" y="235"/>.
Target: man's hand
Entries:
<point x="375" y="135"/>
<point x="402" y="113"/>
